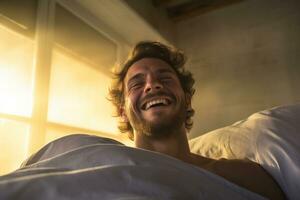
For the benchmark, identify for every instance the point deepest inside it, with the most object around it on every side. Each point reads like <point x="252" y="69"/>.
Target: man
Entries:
<point x="152" y="94"/>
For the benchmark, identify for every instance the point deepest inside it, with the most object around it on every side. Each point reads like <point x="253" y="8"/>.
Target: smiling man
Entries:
<point x="152" y="94"/>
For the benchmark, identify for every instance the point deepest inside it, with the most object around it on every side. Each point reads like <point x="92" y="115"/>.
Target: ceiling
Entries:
<point x="182" y="9"/>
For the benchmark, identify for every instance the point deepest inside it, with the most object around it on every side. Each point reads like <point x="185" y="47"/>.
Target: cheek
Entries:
<point x="177" y="90"/>
<point x="131" y="103"/>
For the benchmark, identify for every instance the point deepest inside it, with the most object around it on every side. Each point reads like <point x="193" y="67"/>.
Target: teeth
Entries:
<point x="156" y="101"/>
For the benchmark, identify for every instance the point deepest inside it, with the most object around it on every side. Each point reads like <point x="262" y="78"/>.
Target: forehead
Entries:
<point x="148" y="65"/>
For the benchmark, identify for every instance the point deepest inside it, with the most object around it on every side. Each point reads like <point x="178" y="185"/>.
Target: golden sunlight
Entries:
<point x="14" y="144"/>
<point x="78" y="95"/>
<point x="16" y="73"/>
<point x="16" y="81"/>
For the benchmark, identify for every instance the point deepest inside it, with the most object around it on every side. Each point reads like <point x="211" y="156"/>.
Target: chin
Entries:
<point x="159" y="116"/>
<point x="158" y="126"/>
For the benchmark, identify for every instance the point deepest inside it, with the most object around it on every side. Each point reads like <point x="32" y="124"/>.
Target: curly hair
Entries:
<point x="148" y="49"/>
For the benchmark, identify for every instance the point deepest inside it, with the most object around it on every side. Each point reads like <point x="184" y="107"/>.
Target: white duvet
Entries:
<point x="89" y="167"/>
<point x="270" y="138"/>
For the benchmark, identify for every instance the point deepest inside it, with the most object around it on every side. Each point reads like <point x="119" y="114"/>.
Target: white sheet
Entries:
<point x="270" y="138"/>
<point x="83" y="167"/>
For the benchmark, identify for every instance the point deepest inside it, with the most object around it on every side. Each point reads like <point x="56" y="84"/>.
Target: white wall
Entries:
<point x="245" y="57"/>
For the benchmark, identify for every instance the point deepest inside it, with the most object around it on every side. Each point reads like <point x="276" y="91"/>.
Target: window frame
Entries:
<point x="44" y="45"/>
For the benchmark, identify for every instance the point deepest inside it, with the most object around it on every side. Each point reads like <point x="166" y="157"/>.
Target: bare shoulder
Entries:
<point x="247" y="174"/>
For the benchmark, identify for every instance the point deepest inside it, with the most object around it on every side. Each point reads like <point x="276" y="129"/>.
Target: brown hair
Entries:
<point x="148" y="49"/>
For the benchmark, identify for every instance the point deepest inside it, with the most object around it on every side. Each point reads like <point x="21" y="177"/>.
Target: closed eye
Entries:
<point x="135" y="85"/>
<point x="166" y="79"/>
<point x="166" y="76"/>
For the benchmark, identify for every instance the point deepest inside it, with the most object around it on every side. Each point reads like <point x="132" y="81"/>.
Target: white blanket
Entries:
<point x="270" y="138"/>
<point x="89" y="167"/>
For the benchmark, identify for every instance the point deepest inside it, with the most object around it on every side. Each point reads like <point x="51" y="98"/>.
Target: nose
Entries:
<point x="152" y="85"/>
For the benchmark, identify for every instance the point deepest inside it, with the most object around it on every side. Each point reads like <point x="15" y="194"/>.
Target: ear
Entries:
<point x="188" y="101"/>
<point x="123" y="115"/>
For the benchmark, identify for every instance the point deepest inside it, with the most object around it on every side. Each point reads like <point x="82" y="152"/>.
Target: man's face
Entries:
<point x="155" y="103"/>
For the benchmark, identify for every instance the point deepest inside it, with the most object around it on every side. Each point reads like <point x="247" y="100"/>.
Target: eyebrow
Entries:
<point x="165" y="71"/>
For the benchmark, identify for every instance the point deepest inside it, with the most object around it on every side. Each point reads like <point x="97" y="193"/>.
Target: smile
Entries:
<point x="156" y="102"/>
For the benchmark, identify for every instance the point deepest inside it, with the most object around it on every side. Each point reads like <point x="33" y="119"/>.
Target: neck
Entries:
<point x="176" y="145"/>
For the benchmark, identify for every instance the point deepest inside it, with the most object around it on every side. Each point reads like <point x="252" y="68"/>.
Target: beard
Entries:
<point x="163" y="128"/>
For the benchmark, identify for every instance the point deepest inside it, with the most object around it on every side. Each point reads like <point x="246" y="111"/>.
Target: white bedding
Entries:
<point x="88" y="167"/>
<point x="270" y="138"/>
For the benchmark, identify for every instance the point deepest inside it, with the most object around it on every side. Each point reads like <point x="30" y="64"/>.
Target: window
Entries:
<point x="19" y="16"/>
<point x="16" y="73"/>
<point x="79" y="79"/>
<point x="16" y="81"/>
<point x="14" y="144"/>
<point x="78" y="95"/>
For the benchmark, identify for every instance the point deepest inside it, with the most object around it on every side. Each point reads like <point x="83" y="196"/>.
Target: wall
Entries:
<point x="245" y="57"/>
<point x="155" y="17"/>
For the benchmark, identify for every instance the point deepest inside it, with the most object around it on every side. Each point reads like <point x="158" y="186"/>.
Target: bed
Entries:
<point x="81" y="166"/>
<point x="270" y="138"/>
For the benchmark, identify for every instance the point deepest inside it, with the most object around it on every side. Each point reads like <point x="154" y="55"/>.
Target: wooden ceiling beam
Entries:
<point x="169" y="3"/>
<point x="194" y="9"/>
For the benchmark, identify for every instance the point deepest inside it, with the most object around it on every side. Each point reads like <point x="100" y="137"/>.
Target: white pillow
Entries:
<point x="270" y="138"/>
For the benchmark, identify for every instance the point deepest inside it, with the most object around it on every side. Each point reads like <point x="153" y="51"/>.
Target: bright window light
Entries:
<point x="14" y="144"/>
<point x="16" y="73"/>
<point x="78" y="95"/>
